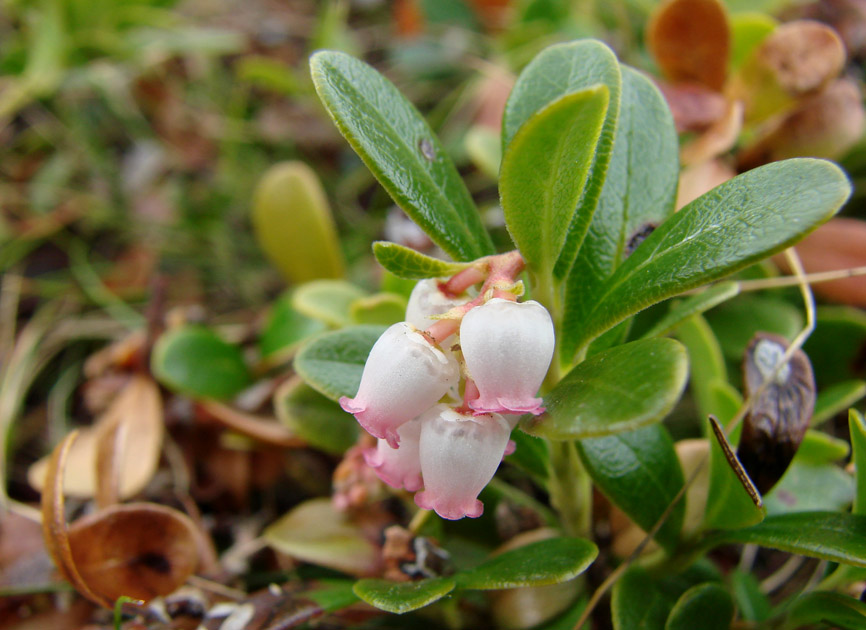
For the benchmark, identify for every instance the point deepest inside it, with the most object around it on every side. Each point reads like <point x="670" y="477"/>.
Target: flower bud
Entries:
<point x="403" y="377"/>
<point x="399" y="467"/>
<point x="507" y="347"/>
<point x="459" y="456"/>
<point x="426" y="300"/>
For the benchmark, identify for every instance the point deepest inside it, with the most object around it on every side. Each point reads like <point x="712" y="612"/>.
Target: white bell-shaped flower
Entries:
<point x="459" y="456"/>
<point x="400" y="467"/>
<point x="507" y="347"/>
<point x="426" y="300"/>
<point x="403" y="377"/>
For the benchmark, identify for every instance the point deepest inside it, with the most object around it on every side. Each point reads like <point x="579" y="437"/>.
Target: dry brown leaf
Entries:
<point x="824" y="125"/>
<point x="702" y="178"/>
<point x="803" y="55"/>
<point x="694" y="106"/>
<point x="54" y="528"/>
<point x="690" y="40"/>
<point x="140" y="550"/>
<point x="133" y="425"/>
<point x="838" y="244"/>
<point x="717" y="139"/>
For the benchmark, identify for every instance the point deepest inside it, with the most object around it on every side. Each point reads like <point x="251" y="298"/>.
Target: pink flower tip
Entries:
<point x="449" y="510"/>
<point x="349" y="405"/>
<point x="508" y="406"/>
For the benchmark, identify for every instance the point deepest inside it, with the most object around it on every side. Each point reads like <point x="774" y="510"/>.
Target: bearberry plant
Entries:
<point x="556" y="354"/>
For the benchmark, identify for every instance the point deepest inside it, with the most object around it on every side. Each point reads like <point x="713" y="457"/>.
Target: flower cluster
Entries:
<point x="443" y="393"/>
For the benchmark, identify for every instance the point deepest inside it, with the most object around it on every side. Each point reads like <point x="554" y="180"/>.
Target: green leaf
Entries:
<point x="329" y="301"/>
<point x="484" y="148"/>
<point x="745" y="219"/>
<point x="639" y="191"/>
<point x="407" y="263"/>
<point x="332" y="595"/>
<point x="621" y="389"/>
<point x="382" y="308"/>
<point x="638" y="603"/>
<point x="857" y="427"/>
<point x="544" y="562"/>
<point x="831" y="536"/>
<point x="837" y="398"/>
<point x="706" y="366"/>
<point x="293" y="224"/>
<point x="807" y="486"/>
<point x="286" y="328"/>
<point x="556" y="71"/>
<point x="333" y="363"/>
<point x="544" y="170"/>
<point x="748" y="30"/>
<point x="693" y="305"/>
<point x="836" y="343"/>
<point x="402" y="597"/>
<point x="315" y="531"/>
<point x="195" y="361"/>
<point x="833" y="609"/>
<point x="532" y="455"/>
<point x="752" y="603"/>
<point x="640" y="473"/>
<point x="729" y="505"/>
<point x="818" y="447"/>
<point x="736" y="322"/>
<point x="705" y="606"/>
<point x="317" y="419"/>
<point x="400" y="149"/>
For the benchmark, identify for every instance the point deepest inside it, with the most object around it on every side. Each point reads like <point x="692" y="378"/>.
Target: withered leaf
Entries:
<point x="140" y="550"/>
<point x="782" y="401"/>
<point x="129" y="438"/>
<point x="690" y="40"/>
<point x="803" y="55"/>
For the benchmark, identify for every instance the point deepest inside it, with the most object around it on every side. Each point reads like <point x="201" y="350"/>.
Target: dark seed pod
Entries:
<point x="782" y="405"/>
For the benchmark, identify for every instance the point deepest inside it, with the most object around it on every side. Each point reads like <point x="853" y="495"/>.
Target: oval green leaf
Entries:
<point x="639" y="191"/>
<point x="333" y="363"/>
<point x="822" y="608"/>
<point x="402" y="152"/>
<point x="640" y="473"/>
<point x="745" y="219"/>
<point x="382" y="308"/>
<point x="837" y="398"/>
<point x="857" y="427"/>
<point x="544" y="562"/>
<point x="293" y="224"/>
<point x="195" y="361"/>
<point x="315" y="531"/>
<point x="706" y="606"/>
<point x="407" y="263"/>
<point x="286" y="328"/>
<point x="544" y="171"/>
<point x="619" y="389"/>
<point x="555" y="72"/>
<point x="693" y="305"/>
<point x="317" y="419"/>
<point x="402" y="597"/>
<point x="832" y="536"/>
<point x="329" y="301"/>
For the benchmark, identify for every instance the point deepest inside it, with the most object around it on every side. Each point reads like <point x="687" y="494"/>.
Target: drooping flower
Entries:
<point x="459" y="456"/>
<point x="400" y="467"/>
<point x="404" y="376"/>
<point x="507" y="347"/>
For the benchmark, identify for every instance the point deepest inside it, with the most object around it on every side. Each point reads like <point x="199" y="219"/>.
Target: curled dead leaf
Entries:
<point x="690" y="40"/>
<point x="140" y="550"/>
<point x="838" y="244"/>
<point x="824" y="125"/>
<point x="120" y="451"/>
<point x="782" y="401"/>
<point x="266" y="430"/>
